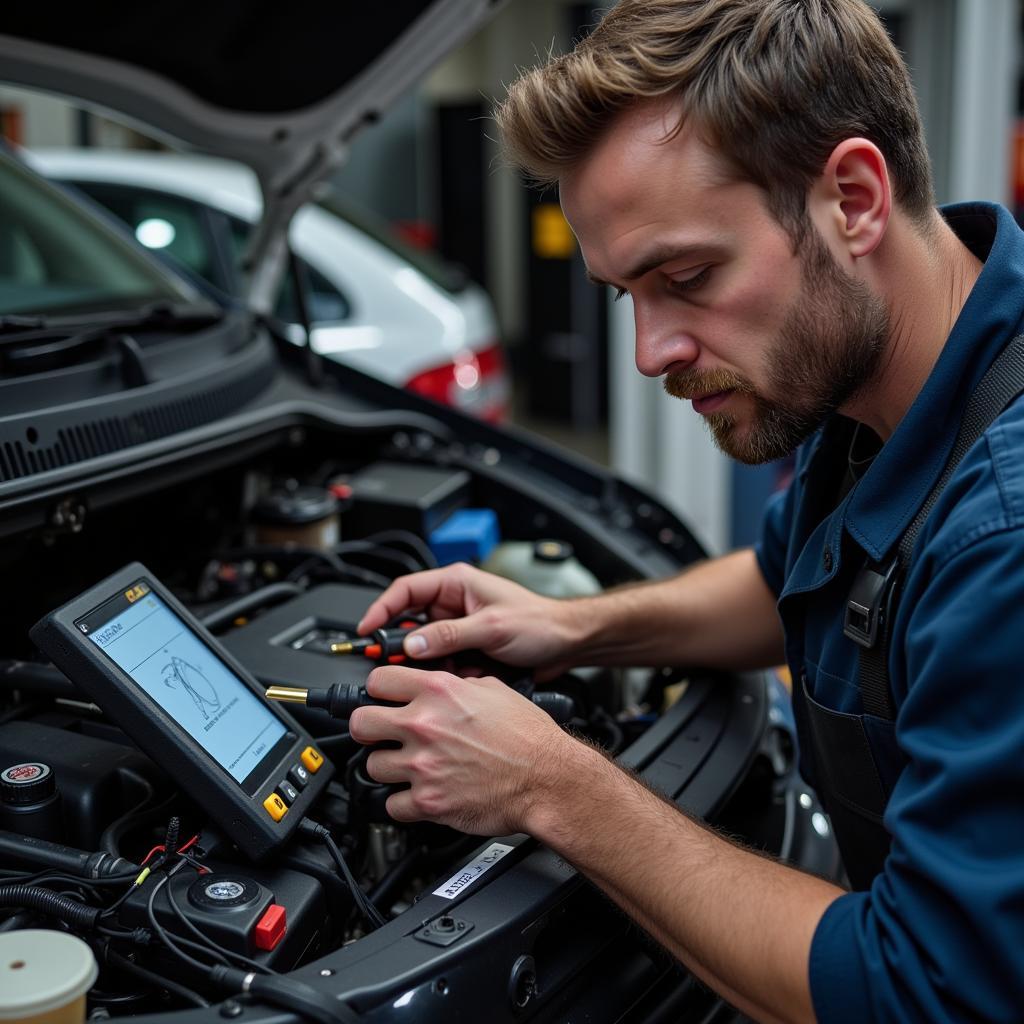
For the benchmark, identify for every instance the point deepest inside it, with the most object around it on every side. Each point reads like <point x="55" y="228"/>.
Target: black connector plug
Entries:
<point x="341" y="699"/>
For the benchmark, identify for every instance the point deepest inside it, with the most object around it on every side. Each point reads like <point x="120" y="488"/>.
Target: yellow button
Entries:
<point x="275" y="806"/>
<point x="312" y="759"/>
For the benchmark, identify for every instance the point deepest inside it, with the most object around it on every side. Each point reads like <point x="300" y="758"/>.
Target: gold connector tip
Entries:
<point x="290" y="694"/>
<point x="345" y="648"/>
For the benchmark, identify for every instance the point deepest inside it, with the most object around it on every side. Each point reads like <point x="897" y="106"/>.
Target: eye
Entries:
<point x="619" y="293"/>
<point x="690" y="284"/>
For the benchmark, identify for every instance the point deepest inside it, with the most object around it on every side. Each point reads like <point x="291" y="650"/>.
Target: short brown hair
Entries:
<point x="773" y="86"/>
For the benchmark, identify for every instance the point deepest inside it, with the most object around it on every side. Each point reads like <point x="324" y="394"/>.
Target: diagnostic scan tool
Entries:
<point x="172" y="687"/>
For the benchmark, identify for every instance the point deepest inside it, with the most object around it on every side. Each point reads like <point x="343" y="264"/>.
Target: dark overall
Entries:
<point x="855" y="759"/>
<point x="836" y="747"/>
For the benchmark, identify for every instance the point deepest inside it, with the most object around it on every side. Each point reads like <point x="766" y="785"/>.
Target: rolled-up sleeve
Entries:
<point x="940" y="935"/>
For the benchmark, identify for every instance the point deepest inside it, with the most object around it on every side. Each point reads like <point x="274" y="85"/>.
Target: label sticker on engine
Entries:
<point x="464" y="878"/>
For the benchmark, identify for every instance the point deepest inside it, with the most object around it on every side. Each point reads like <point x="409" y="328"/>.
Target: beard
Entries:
<point x="827" y="350"/>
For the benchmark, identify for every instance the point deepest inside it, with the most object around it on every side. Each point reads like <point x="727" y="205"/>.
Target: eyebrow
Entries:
<point x="654" y="259"/>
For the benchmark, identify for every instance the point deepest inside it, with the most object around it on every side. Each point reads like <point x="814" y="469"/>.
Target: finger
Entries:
<point x="406" y="593"/>
<point x="376" y="724"/>
<point x="401" y="807"/>
<point x="399" y="683"/>
<point x="447" y="636"/>
<point x="388" y="766"/>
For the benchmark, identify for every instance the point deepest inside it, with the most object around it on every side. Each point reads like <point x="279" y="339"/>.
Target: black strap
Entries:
<point x="872" y="602"/>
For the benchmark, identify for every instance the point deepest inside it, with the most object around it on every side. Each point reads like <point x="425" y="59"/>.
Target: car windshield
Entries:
<point x="56" y="258"/>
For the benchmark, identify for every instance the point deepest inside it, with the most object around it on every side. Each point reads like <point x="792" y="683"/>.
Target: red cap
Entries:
<point x="270" y="928"/>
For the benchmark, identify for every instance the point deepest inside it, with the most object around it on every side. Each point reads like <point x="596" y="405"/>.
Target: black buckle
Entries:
<point x="869" y="602"/>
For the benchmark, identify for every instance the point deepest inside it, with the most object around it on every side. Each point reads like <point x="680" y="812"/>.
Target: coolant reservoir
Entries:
<point x="546" y="567"/>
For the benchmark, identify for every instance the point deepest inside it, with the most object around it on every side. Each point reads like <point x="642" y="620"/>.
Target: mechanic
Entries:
<point x="753" y="174"/>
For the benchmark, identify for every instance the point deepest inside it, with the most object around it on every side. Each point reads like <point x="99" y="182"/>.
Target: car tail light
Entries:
<point x="474" y="382"/>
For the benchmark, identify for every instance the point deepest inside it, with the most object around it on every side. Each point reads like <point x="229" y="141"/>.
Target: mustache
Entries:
<point x="690" y="384"/>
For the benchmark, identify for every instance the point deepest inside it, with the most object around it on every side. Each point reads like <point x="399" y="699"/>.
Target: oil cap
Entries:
<point x="30" y="782"/>
<point x="552" y="551"/>
<point x="294" y="506"/>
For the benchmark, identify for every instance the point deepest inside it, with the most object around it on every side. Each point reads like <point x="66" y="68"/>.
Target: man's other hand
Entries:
<point x="475" y="610"/>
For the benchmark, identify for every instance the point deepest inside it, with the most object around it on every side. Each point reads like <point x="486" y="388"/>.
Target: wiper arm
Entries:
<point x="41" y="348"/>
<point x="16" y="331"/>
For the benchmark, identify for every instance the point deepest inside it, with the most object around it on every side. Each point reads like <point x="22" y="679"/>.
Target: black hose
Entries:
<point x="43" y="901"/>
<point x="43" y="854"/>
<point x="37" y="678"/>
<point x="285" y="994"/>
<point x="271" y="593"/>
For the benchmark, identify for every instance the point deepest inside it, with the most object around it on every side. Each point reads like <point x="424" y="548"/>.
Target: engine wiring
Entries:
<point x="372" y="915"/>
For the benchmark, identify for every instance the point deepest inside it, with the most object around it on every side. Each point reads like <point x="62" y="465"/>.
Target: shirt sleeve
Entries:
<point x="772" y="543"/>
<point x="940" y="935"/>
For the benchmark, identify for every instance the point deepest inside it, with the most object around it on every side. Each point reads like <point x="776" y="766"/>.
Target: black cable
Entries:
<point x="164" y="937"/>
<point x="116" y="905"/>
<point x="45" y="877"/>
<point x="405" y="563"/>
<point x="114" y="959"/>
<point x="140" y="813"/>
<point x="410" y="540"/>
<point x="368" y="910"/>
<point x="310" y="556"/>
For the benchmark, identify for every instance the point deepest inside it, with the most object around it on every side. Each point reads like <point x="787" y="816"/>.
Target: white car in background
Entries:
<point x="373" y="303"/>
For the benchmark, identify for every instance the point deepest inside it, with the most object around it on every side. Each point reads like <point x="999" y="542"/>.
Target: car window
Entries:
<point x="164" y="223"/>
<point x="55" y="258"/>
<point x="325" y="303"/>
<point x="447" y="276"/>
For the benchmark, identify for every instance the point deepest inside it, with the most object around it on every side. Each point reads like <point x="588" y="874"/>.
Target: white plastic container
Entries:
<point x="547" y="567"/>
<point x="44" y="977"/>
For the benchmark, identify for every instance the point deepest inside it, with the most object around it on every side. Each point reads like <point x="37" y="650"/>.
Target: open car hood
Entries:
<point x="282" y="88"/>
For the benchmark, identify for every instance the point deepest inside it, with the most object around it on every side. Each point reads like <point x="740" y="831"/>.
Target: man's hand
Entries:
<point x="474" y="610"/>
<point x="477" y="755"/>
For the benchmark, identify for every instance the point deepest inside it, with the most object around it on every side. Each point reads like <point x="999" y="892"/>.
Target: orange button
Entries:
<point x="275" y="806"/>
<point x="270" y="928"/>
<point x="312" y="759"/>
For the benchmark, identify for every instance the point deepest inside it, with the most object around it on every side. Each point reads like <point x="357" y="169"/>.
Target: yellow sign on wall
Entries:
<point x="552" y="237"/>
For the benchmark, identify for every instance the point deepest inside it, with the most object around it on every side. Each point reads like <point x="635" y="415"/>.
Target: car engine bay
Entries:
<point x="276" y="532"/>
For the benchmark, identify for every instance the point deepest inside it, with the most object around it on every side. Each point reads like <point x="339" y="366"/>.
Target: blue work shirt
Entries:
<point x="939" y="936"/>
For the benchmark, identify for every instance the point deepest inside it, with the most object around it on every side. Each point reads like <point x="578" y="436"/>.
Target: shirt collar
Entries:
<point x="889" y="495"/>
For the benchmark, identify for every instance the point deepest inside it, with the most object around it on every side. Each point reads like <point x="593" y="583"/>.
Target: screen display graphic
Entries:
<point x="150" y="643"/>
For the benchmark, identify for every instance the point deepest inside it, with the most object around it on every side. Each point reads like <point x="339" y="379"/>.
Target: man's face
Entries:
<point x="765" y="343"/>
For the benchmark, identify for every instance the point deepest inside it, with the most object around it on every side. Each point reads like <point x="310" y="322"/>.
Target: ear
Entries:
<point x="853" y="197"/>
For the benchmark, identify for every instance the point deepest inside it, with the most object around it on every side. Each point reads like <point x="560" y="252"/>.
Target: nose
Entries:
<point x="661" y="342"/>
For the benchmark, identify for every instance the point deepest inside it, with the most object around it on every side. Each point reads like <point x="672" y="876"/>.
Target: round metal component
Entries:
<point x="223" y="892"/>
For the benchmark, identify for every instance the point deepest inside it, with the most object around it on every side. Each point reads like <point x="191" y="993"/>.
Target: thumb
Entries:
<point x="447" y="636"/>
